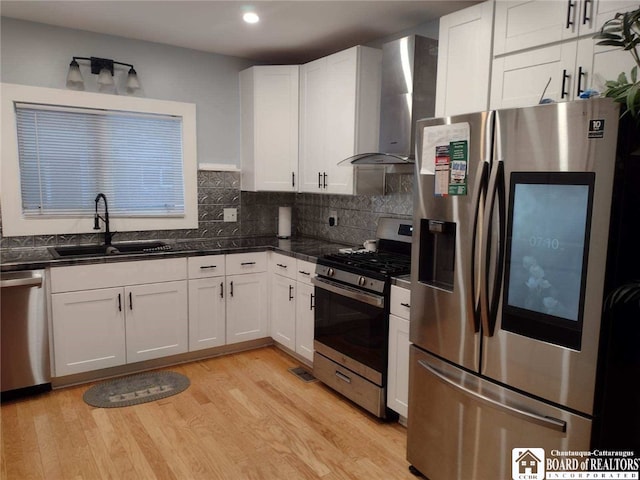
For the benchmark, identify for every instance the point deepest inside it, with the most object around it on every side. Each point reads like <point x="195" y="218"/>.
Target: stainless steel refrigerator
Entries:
<point x="511" y="227"/>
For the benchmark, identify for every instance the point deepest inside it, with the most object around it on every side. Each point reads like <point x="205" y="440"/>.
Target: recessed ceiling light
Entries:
<point x="251" y="17"/>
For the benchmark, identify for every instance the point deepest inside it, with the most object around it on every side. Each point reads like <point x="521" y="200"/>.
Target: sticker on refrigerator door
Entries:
<point x="527" y="464"/>
<point x="596" y="128"/>
<point x="459" y="155"/>
<point x="440" y="136"/>
<point x="443" y="167"/>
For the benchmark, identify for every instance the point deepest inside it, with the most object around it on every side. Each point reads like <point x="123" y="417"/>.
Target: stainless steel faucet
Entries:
<point x="105" y="219"/>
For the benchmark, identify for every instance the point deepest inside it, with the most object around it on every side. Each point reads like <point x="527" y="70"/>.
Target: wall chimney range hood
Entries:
<point x="408" y="94"/>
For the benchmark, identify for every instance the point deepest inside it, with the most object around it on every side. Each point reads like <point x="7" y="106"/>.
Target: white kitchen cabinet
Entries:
<point x="246" y="296"/>
<point x="398" y="367"/>
<point x="522" y="24"/>
<point x="88" y="330"/>
<point x="156" y="320"/>
<point x="291" y="307"/>
<point x="339" y="117"/>
<point x="104" y="315"/>
<point x="282" y="295"/>
<point x="269" y="119"/>
<point x="598" y="64"/>
<point x="464" y="60"/>
<point x="519" y="79"/>
<point x="305" y="304"/>
<point x="207" y="304"/>
<point x="569" y="59"/>
<point x="283" y="310"/>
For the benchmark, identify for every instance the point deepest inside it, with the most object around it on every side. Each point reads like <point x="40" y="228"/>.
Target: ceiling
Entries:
<point x="289" y="31"/>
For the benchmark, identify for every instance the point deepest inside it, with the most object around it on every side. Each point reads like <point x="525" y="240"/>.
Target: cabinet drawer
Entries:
<point x="239" y="263"/>
<point x="206" y="266"/>
<point x="305" y="271"/>
<point x="282" y="265"/>
<point x="105" y="275"/>
<point x="400" y="301"/>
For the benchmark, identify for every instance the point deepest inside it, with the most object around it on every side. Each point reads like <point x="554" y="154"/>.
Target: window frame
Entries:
<point x="14" y="223"/>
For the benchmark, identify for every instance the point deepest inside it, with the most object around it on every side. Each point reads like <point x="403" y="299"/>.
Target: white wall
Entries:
<point x="39" y="55"/>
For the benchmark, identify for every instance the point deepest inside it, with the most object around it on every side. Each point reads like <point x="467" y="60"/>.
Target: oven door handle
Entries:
<point x="358" y="295"/>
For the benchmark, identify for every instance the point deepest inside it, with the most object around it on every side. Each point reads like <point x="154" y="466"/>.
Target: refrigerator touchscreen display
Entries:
<point x="547" y="237"/>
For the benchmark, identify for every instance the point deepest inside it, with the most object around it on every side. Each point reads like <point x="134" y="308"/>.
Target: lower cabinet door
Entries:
<point x="157" y="320"/>
<point x="398" y="369"/>
<point x="88" y="330"/>
<point x="206" y="313"/>
<point x="304" y="320"/>
<point x="283" y="311"/>
<point x="247" y="313"/>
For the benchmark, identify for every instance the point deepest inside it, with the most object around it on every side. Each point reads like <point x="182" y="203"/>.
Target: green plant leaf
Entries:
<point x="622" y="78"/>
<point x="634" y="74"/>
<point x="633" y="98"/>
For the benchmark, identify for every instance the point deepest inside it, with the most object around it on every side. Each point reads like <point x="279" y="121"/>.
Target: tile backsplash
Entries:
<point x="258" y="214"/>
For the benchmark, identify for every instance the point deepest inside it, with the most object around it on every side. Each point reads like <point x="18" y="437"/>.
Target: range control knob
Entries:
<point x="362" y="281"/>
<point x="330" y="272"/>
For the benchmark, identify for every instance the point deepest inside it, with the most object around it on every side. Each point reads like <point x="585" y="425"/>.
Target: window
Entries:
<point x="60" y="148"/>
<point x="68" y="155"/>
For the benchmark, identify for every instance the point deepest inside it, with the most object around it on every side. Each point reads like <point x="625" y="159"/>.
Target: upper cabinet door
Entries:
<point x="313" y="124"/>
<point x="269" y="109"/>
<point x="526" y="24"/>
<point x="519" y="79"/>
<point x="339" y="117"/>
<point x="464" y="61"/>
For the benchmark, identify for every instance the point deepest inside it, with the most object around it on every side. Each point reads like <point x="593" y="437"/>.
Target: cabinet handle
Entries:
<point x="293" y="179"/>
<point x="248" y="263"/>
<point x="130" y="301"/>
<point x="570" y="5"/>
<point x="585" y="13"/>
<point x="343" y="377"/>
<point x="207" y="266"/>
<point x="221" y="289"/>
<point x="290" y="290"/>
<point x="281" y="265"/>
<point x="231" y="288"/>
<point x="581" y="73"/>
<point x="119" y="302"/>
<point x="304" y="273"/>
<point x="564" y="82"/>
<point x="406" y="305"/>
<point x="312" y="297"/>
<point x="324" y="176"/>
<point x="319" y="179"/>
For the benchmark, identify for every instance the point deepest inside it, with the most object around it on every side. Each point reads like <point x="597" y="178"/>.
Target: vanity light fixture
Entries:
<point x="103" y="67"/>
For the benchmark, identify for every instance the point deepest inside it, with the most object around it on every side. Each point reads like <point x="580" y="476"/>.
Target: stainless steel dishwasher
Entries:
<point x="25" y="366"/>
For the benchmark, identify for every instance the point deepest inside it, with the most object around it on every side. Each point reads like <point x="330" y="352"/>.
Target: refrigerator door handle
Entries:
<point x="480" y="188"/>
<point x="545" y="421"/>
<point x="489" y="306"/>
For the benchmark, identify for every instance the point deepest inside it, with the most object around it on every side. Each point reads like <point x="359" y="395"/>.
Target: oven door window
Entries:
<point x="352" y="327"/>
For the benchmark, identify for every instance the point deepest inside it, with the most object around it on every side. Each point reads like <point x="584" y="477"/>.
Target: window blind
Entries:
<point x="68" y="155"/>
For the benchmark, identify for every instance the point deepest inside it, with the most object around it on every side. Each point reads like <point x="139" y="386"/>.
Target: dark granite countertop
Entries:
<point x="303" y="248"/>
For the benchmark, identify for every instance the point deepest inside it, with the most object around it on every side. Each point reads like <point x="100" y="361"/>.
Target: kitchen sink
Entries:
<point x="122" y="248"/>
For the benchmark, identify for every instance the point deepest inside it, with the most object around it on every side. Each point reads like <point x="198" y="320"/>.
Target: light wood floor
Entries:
<point x="243" y="417"/>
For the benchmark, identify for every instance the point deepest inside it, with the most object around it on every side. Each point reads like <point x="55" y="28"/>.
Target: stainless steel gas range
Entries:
<point x="351" y="326"/>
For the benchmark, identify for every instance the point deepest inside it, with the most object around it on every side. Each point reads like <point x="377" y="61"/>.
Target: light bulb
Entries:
<point x="74" y="77"/>
<point x="132" y="80"/>
<point x="105" y="78"/>
<point x="251" y="17"/>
